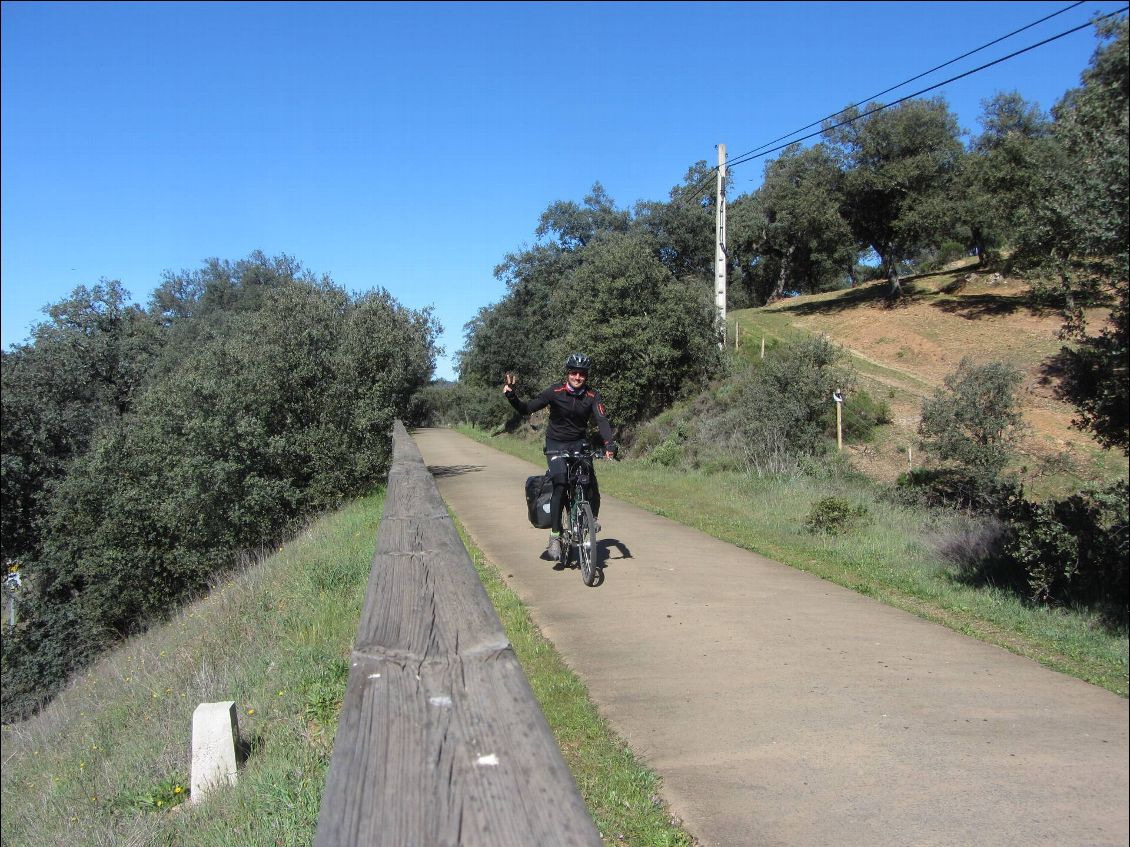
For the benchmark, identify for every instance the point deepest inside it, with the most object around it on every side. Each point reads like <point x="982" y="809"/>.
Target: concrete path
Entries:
<point x="780" y="709"/>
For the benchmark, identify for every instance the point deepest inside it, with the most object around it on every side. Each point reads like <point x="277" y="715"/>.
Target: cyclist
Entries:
<point x="572" y="403"/>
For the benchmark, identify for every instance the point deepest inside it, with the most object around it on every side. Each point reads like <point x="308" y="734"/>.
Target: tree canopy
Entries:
<point x="897" y="168"/>
<point x="1076" y="232"/>
<point x="621" y="288"/>
<point x="144" y="449"/>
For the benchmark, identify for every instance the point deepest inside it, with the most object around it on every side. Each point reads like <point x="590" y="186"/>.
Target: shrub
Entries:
<point x="1074" y="551"/>
<point x="778" y="411"/>
<point x="670" y="452"/>
<point x="834" y="516"/>
<point x="973" y="423"/>
<point x="953" y="488"/>
<point x="949" y="251"/>
<point x="1063" y="552"/>
<point x="970" y="541"/>
<point x="1042" y="549"/>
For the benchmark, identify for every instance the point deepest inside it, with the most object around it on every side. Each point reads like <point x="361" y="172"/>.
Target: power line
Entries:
<point x="914" y="78"/>
<point x="749" y="156"/>
<point x="695" y="191"/>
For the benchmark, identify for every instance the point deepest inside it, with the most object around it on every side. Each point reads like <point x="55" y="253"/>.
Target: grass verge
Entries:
<point x="108" y="761"/>
<point x="891" y="557"/>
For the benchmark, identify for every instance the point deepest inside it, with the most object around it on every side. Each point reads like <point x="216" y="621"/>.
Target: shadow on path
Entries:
<point x="607" y="545"/>
<point x="440" y="471"/>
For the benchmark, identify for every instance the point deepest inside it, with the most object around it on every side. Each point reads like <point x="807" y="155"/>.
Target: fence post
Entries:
<point x="839" y="398"/>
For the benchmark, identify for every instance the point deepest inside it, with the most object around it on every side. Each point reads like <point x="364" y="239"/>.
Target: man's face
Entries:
<point x="576" y="378"/>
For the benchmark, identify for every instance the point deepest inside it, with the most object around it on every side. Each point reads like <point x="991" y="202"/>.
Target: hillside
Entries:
<point x="903" y="353"/>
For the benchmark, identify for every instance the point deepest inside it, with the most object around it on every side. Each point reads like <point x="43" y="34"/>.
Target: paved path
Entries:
<point x="780" y="709"/>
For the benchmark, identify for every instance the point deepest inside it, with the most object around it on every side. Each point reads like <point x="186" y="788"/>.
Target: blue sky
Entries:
<point x="411" y="146"/>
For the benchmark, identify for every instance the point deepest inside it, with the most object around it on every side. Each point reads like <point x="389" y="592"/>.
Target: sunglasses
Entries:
<point x="576" y="373"/>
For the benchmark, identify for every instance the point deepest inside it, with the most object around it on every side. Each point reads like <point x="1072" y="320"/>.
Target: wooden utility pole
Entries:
<point x="720" y="246"/>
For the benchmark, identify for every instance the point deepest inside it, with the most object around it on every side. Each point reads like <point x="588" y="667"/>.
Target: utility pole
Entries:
<point x="720" y="246"/>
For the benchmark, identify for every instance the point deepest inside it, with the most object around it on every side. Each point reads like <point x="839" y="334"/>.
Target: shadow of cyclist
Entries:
<point x="607" y="545"/>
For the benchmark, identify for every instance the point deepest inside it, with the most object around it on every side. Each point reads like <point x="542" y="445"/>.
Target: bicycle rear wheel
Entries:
<point x="588" y="553"/>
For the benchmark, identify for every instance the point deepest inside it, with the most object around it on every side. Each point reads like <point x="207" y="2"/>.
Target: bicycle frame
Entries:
<point x="578" y="530"/>
<point x="578" y="474"/>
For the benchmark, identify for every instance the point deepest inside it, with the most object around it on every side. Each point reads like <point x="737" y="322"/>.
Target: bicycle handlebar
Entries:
<point x="579" y="454"/>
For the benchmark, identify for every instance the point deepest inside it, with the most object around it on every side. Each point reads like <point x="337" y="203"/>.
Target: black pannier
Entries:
<point x="539" y="492"/>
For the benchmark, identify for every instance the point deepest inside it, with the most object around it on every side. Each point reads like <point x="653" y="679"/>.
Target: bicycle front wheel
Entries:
<point x="587" y="552"/>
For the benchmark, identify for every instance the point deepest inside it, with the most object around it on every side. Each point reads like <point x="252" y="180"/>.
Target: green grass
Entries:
<point x="891" y="557"/>
<point x="108" y="762"/>
<point x="620" y="793"/>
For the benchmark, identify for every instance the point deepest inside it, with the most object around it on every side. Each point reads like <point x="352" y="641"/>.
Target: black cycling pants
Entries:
<point x="558" y="472"/>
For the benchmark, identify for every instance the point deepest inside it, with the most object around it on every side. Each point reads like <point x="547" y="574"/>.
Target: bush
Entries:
<point x="973" y="424"/>
<point x="1074" y="551"/>
<point x="778" y="411"/>
<point x="932" y="260"/>
<point x="1041" y="549"/>
<point x="953" y="488"/>
<point x="834" y="516"/>
<point x="670" y="452"/>
<point x="1063" y="552"/>
<point x="970" y="541"/>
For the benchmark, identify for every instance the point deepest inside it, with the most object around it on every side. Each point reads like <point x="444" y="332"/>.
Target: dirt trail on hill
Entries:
<point x="780" y="709"/>
<point x="906" y="352"/>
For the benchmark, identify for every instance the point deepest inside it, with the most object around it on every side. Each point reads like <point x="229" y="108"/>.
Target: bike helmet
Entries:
<point x="578" y="362"/>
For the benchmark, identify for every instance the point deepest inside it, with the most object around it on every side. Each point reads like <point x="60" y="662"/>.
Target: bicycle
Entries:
<point x="578" y="526"/>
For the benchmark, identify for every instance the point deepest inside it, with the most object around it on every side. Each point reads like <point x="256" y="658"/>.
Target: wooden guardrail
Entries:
<point x="440" y="740"/>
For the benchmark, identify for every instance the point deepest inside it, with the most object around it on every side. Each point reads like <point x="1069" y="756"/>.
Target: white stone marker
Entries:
<point x="214" y="734"/>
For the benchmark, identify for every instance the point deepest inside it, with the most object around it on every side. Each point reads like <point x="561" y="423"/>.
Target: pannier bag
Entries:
<point x="539" y="493"/>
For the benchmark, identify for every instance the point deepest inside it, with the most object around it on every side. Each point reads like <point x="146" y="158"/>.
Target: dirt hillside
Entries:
<point x="903" y="353"/>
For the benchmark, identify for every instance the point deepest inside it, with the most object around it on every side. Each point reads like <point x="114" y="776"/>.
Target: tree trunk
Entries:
<point x="979" y="243"/>
<point x="783" y="276"/>
<point x="895" y="291"/>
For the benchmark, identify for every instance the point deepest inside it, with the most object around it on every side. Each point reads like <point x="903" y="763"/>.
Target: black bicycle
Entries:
<point x="578" y="526"/>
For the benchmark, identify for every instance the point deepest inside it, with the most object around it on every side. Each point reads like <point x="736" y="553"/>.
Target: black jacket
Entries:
<point x="568" y="413"/>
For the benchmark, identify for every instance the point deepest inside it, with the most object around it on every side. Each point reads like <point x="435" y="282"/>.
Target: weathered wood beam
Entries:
<point x="440" y="739"/>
